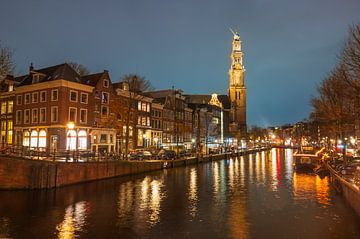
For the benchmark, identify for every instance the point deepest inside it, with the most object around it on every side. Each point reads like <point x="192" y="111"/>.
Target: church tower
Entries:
<point x="237" y="90"/>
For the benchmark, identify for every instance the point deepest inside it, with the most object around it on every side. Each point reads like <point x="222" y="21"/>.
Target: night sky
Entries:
<point x="289" y="45"/>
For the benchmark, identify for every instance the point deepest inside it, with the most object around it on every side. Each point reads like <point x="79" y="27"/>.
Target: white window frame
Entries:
<point x="40" y="118"/>
<point x="32" y="115"/>
<point x="27" y="110"/>
<point x="70" y="108"/>
<point x="51" y="114"/>
<point x="87" y="97"/>
<point x="77" y="95"/>
<point x="17" y="99"/>
<point x="57" y="95"/>
<point x="107" y="83"/>
<point x="86" y="114"/>
<point x="41" y="92"/>
<point x="32" y="97"/>
<point x="27" y="103"/>
<point x="18" y="116"/>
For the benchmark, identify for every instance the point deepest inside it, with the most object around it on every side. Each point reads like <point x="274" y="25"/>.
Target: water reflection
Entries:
<point x="192" y="194"/>
<point x="74" y="220"/>
<point x="309" y="187"/>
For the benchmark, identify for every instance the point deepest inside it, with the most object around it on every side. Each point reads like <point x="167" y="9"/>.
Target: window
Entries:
<point x="54" y="114"/>
<point x="82" y="139"/>
<point x="27" y="116"/>
<point x="35" y="96"/>
<point x="71" y="140"/>
<point x="148" y="107"/>
<point x="104" y="110"/>
<point x="105" y="98"/>
<point x="26" y="139"/>
<point x="143" y="106"/>
<point x="73" y="96"/>
<point x="106" y="83"/>
<point x="19" y="99"/>
<point x="18" y="117"/>
<point x="83" y="115"/>
<point x="27" y="98"/>
<point x="9" y="131"/>
<point x="139" y="105"/>
<point x="43" y="96"/>
<point x="42" y="115"/>
<point x="42" y="139"/>
<point x="3" y="107"/>
<point x="34" y="115"/>
<point x="72" y="114"/>
<point x="130" y="131"/>
<point x="34" y="139"/>
<point x="111" y="139"/>
<point x="10" y="106"/>
<point x="103" y="138"/>
<point x="84" y="98"/>
<point x="148" y="121"/>
<point x="143" y="120"/>
<point x="3" y="131"/>
<point x="54" y="95"/>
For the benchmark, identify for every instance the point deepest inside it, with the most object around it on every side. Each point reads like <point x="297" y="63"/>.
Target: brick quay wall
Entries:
<point x="19" y="173"/>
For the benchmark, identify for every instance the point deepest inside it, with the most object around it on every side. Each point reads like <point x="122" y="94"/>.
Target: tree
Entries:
<point x="79" y="68"/>
<point x="6" y="63"/>
<point x="135" y="85"/>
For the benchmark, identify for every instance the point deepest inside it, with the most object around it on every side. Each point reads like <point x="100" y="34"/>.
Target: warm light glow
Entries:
<point x="71" y="125"/>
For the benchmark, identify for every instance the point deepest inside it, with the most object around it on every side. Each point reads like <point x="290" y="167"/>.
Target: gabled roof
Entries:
<point x="225" y="101"/>
<point x="62" y="71"/>
<point x="197" y="99"/>
<point x="92" y="79"/>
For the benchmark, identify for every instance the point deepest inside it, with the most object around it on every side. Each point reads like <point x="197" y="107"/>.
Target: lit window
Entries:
<point x="26" y="139"/>
<point x="43" y="96"/>
<point x="54" y="95"/>
<point x="10" y="106"/>
<point x="139" y="105"/>
<point x="82" y="139"/>
<point x="148" y="107"/>
<point x="3" y="131"/>
<point x="34" y="139"/>
<point x="103" y="138"/>
<point x="42" y="139"/>
<point x="73" y="96"/>
<point x="71" y="140"/>
<point x="3" y="107"/>
<point x="143" y="106"/>
<point x="84" y="98"/>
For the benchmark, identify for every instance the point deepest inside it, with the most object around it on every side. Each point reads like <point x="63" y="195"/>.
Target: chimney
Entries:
<point x="31" y="68"/>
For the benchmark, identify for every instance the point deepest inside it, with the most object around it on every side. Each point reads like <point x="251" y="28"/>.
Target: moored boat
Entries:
<point x="307" y="158"/>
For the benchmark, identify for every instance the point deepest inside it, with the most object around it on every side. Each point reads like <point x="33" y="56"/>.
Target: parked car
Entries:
<point x="165" y="154"/>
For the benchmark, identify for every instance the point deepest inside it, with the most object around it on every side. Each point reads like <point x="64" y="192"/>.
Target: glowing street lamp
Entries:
<point x="71" y="125"/>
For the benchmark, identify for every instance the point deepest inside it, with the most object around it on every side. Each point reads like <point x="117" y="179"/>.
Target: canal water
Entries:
<point x="255" y="196"/>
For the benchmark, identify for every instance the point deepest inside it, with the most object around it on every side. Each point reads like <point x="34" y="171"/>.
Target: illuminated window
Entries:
<point x="3" y="131"/>
<point x="34" y="139"/>
<point x="10" y="106"/>
<point x="148" y="107"/>
<point x="139" y="105"/>
<point x="26" y="139"/>
<point x="42" y="139"/>
<point x="71" y="140"/>
<point x="143" y="106"/>
<point x="105" y="98"/>
<point x="3" y="107"/>
<point x="82" y="139"/>
<point x="9" y="131"/>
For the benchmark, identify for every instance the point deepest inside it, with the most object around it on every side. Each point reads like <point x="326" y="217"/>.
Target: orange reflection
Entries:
<point x="74" y="220"/>
<point x="322" y="190"/>
<point x="192" y="194"/>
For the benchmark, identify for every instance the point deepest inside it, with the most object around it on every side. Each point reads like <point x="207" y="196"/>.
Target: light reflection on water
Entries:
<point x="74" y="220"/>
<point x="255" y="196"/>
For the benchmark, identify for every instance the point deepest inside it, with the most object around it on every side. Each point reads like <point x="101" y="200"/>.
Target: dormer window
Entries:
<point x="11" y="87"/>
<point x="36" y="78"/>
